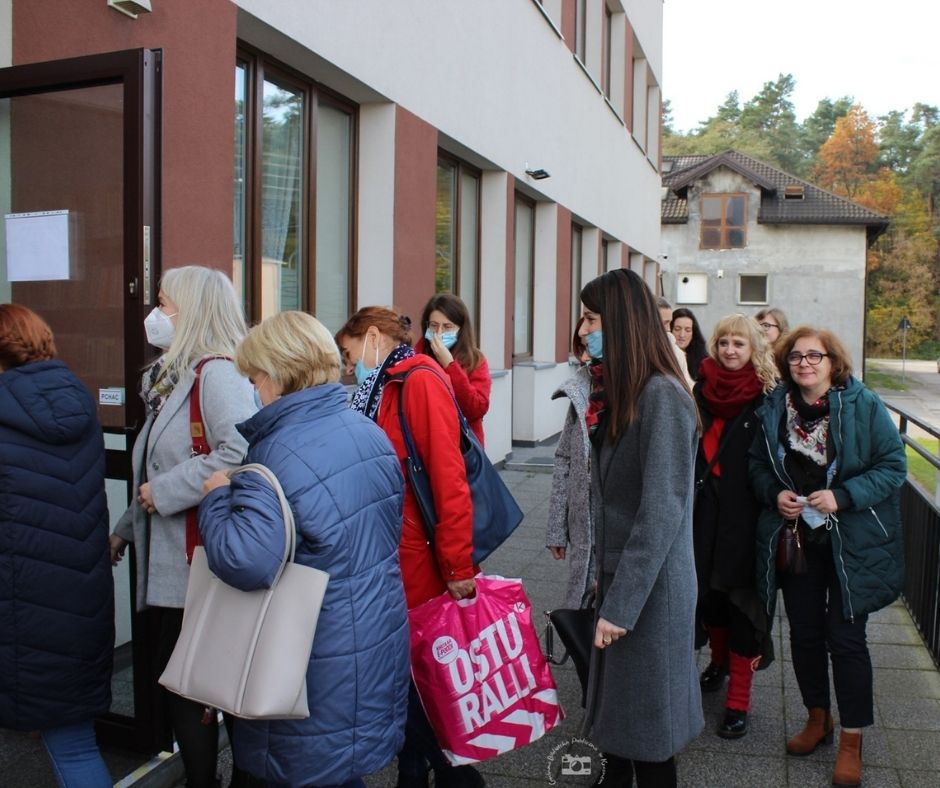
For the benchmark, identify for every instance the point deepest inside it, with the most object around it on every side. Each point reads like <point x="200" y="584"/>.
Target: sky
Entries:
<point x="884" y="54"/>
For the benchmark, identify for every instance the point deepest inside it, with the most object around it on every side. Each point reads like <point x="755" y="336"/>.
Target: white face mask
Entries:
<point x="159" y="328"/>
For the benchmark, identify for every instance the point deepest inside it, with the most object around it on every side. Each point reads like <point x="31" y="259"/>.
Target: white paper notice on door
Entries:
<point x="38" y="248"/>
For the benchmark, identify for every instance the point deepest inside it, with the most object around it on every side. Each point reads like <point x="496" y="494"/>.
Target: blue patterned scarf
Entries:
<point x="368" y="396"/>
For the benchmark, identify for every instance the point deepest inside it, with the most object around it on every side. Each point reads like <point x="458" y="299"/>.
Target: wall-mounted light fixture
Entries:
<point x="131" y="7"/>
<point x="537" y="174"/>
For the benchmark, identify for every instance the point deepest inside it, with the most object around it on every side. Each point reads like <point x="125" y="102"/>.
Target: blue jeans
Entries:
<point x="76" y="761"/>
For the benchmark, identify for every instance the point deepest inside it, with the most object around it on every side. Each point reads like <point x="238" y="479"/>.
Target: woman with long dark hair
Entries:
<point x="447" y="336"/>
<point x="689" y="339"/>
<point x="734" y="378"/>
<point x="643" y="701"/>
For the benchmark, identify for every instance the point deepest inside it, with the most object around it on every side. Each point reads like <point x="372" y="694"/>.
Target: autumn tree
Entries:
<point x="849" y="158"/>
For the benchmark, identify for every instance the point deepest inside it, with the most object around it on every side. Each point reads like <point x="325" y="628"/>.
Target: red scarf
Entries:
<point x="727" y="391"/>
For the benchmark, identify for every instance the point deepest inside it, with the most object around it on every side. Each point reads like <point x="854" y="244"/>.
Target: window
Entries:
<point x="457" y="232"/>
<point x="752" y="289"/>
<point x="724" y="218"/>
<point x="577" y="237"/>
<point x="603" y="264"/>
<point x="580" y="29"/>
<point x="525" y="274"/>
<point x="692" y="288"/>
<point x="608" y="46"/>
<point x="293" y="218"/>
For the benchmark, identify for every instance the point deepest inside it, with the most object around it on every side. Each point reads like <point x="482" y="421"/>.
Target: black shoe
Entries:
<point x="458" y="777"/>
<point x="412" y="781"/>
<point x="734" y="725"/>
<point x="713" y="677"/>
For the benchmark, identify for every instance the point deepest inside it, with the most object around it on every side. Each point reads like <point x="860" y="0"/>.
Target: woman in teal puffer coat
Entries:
<point x="828" y="461"/>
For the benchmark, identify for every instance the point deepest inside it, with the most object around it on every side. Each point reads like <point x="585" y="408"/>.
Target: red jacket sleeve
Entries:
<point x="472" y="391"/>
<point x="432" y="418"/>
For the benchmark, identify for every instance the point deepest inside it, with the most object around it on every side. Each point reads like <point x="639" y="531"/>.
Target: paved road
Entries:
<point x="921" y="398"/>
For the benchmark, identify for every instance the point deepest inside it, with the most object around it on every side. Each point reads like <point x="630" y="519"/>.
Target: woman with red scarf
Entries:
<point x="733" y="379"/>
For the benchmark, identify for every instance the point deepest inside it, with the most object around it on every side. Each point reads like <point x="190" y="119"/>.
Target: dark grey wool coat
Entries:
<point x="644" y="700"/>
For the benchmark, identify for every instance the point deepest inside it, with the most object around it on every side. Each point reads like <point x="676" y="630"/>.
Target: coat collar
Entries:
<point x="299" y="406"/>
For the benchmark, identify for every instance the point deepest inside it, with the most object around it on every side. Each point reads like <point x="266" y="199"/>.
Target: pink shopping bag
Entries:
<point x="480" y="671"/>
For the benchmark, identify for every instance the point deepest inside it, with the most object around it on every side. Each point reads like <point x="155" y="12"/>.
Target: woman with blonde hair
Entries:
<point x="738" y="371"/>
<point x="342" y="480"/>
<point x="773" y="323"/>
<point x="197" y="324"/>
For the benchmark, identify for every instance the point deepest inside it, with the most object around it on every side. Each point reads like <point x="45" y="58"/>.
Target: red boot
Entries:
<point x="738" y="703"/>
<point x="713" y="677"/>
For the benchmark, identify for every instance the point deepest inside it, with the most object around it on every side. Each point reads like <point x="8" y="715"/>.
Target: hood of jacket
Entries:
<point x="46" y="401"/>
<point x="297" y="405"/>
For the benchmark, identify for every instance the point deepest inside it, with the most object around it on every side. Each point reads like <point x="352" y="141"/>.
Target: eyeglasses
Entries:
<point x="765" y="326"/>
<point x="794" y="359"/>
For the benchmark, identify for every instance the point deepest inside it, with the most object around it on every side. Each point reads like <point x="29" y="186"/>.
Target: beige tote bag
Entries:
<point x="246" y="652"/>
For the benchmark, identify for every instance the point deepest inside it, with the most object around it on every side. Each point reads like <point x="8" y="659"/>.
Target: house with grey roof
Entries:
<point x="739" y="235"/>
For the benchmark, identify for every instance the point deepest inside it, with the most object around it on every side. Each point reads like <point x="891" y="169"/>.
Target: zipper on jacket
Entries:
<point x="878" y="520"/>
<point x="845" y="577"/>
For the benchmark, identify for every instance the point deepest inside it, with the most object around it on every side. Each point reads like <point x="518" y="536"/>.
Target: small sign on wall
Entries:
<point x="38" y="246"/>
<point x="111" y="396"/>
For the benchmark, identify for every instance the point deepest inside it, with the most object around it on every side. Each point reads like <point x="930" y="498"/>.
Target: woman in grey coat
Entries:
<point x="643" y="701"/>
<point x="569" y="534"/>
<point x="198" y="319"/>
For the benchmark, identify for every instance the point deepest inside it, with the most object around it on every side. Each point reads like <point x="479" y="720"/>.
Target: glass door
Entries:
<point x="78" y="245"/>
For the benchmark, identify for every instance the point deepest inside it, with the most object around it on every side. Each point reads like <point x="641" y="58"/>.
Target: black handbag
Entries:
<point x="791" y="557"/>
<point x="495" y="512"/>
<point x="575" y="628"/>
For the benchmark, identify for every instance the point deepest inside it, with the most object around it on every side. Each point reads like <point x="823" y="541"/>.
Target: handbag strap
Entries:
<point x="414" y="459"/>
<point x="197" y="432"/>
<point x="290" y="531"/>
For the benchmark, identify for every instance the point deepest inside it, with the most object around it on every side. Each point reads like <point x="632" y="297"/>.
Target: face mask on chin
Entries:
<point x="595" y="344"/>
<point x="159" y="328"/>
<point x="361" y="371"/>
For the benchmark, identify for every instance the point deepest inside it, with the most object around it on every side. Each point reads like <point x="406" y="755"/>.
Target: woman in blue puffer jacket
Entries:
<point x="56" y="590"/>
<point x="344" y="485"/>
<point x="828" y="462"/>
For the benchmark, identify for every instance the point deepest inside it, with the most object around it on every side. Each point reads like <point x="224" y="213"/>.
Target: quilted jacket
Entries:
<point x="345" y="488"/>
<point x="869" y="468"/>
<point x="56" y="590"/>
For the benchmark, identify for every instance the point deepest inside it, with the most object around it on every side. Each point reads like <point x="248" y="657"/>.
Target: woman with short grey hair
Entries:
<point x="197" y="323"/>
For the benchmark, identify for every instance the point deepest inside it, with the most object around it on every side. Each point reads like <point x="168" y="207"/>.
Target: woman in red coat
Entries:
<point x="376" y="346"/>
<point x="448" y="338"/>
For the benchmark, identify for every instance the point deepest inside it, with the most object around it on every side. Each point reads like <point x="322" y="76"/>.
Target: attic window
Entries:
<point x="723" y="221"/>
<point x="793" y="191"/>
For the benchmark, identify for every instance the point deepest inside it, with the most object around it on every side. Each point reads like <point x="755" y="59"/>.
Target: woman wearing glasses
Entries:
<point x="830" y="464"/>
<point x="773" y="324"/>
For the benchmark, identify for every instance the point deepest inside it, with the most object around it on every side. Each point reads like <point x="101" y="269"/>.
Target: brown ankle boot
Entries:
<point x="848" y="771"/>
<point x="818" y="731"/>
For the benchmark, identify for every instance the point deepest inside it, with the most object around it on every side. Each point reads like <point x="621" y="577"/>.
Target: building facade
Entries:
<point x="740" y="235"/>
<point x="328" y="155"/>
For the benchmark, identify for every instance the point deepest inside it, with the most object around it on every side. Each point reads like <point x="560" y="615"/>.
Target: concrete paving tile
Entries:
<point x="898" y="634"/>
<point x="915" y="748"/>
<point x="710" y="769"/>
<point x="914" y="779"/>
<point x="893" y="614"/>
<point x="909" y="713"/>
<point x="893" y="680"/>
<point x="890" y="656"/>
<point x="764" y="736"/>
<point x="810" y="773"/>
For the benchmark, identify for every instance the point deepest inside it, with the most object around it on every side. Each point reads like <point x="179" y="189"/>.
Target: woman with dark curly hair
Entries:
<point x="689" y="339"/>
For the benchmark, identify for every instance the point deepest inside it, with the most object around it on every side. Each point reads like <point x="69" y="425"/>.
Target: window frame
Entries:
<point x="528" y="353"/>
<point x="577" y="274"/>
<point x="461" y="170"/>
<point x="724" y="228"/>
<point x="260" y="67"/>
<point x="754" y="275"/>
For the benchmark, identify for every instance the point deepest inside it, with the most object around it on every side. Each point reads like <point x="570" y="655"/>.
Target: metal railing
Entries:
<point x="920" y="515"/>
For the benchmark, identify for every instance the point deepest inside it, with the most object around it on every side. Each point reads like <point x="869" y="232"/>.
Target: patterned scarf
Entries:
<point x="155" y="388"/>
<point x="727" y="391"/>
<point x="597" y="400"/>
<point x="368" y="396"/>
<point x="808" y="426"/>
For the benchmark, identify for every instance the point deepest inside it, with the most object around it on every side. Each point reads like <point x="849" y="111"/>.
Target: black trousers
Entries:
<point x="819" y="632"/>
<point x="621" y="772"/>
<point x="718" y="611"/>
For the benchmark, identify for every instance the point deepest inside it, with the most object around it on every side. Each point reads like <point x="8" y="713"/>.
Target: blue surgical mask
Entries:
<point x="361" y="371"/>
<point x="448" y="338"/>
<point x="595" y="344"/>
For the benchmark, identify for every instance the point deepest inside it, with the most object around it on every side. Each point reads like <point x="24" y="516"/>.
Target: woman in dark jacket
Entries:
<point x="689" y="339"/>
<point x="376" y="345"/>
<point x="449" y="339"/>
<point x="57" y="598"/>
<point x="344" y="485"/>
<point x="829" y="462"/>
<point x="733" y="379"/>
<point x="643" y="701"/>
